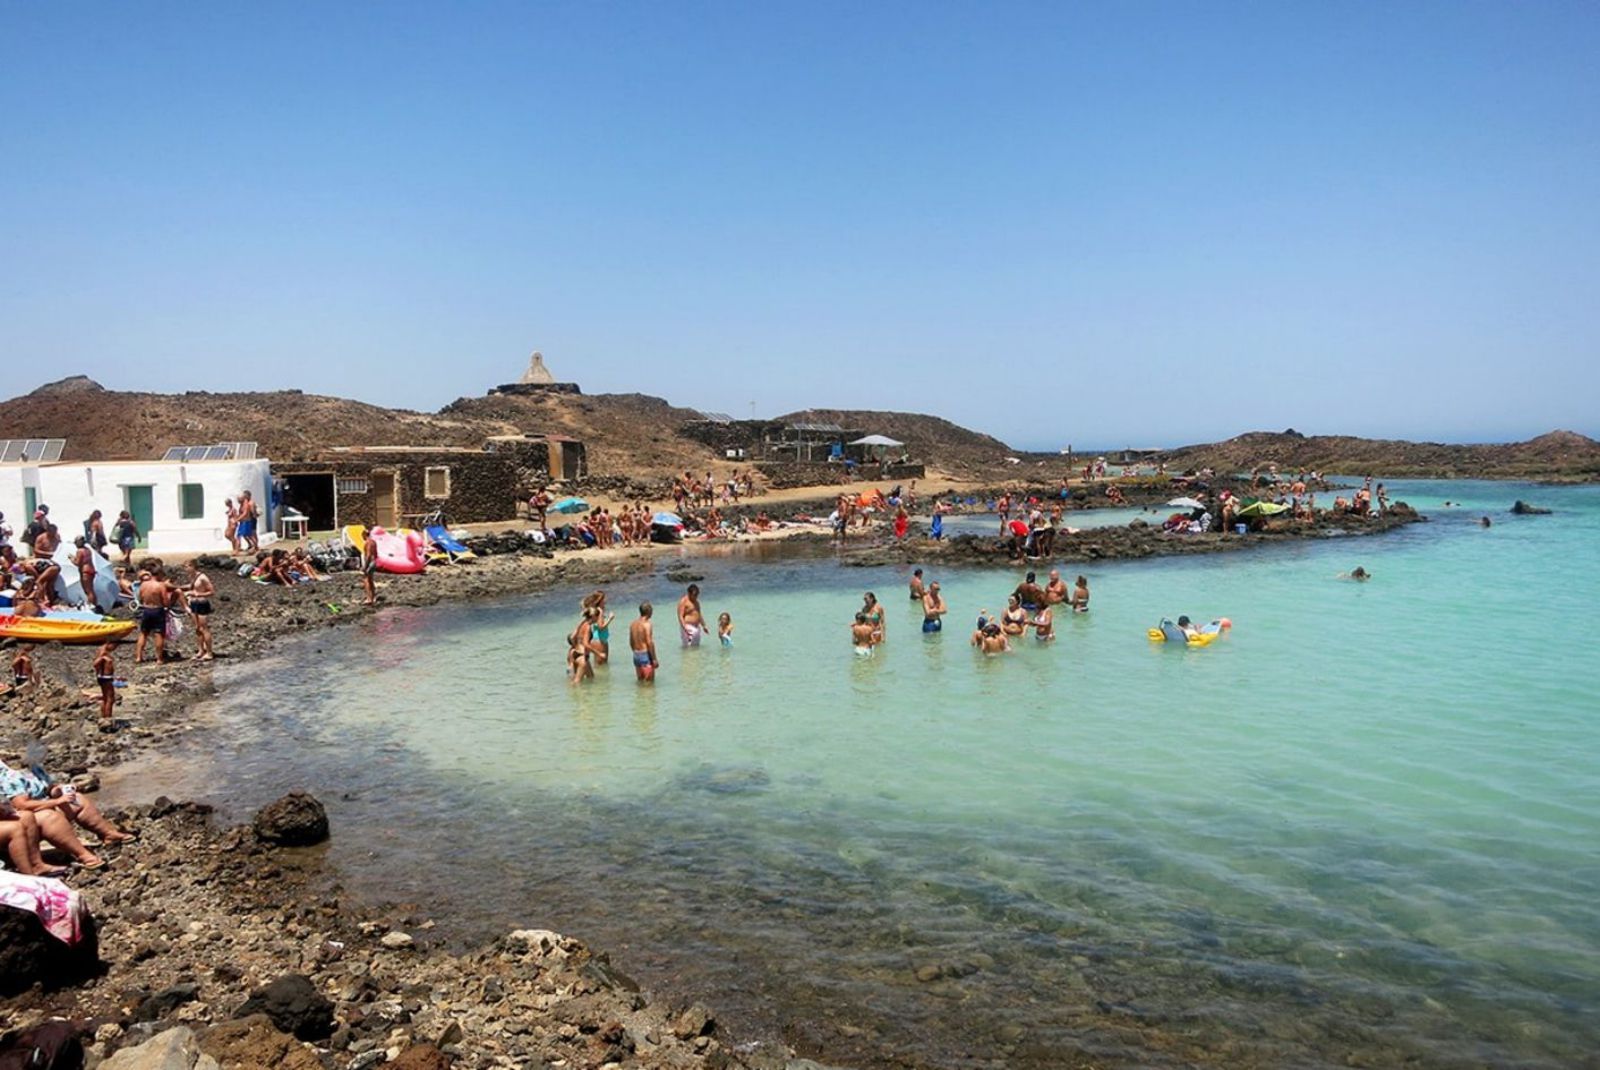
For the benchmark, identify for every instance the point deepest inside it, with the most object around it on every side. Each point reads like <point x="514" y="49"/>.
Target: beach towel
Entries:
<point x="58" y="908"/>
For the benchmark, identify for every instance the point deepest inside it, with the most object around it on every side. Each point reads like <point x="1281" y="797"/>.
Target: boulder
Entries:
<point x="294" y="1005"/>
<point x="1522" y="508"/>
<point x="253" y="1042"/>
<point x="29" y="955"/>
<point x="165" y="1002"/>
<point x="421" y="1057"/>
<point x="176" y="1049"/>
<point x="296" y="820"/>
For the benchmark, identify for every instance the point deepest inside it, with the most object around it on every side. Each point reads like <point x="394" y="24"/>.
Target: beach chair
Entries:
<point x="431" y="555"/>
<point x="454" y="548"/>
<point x="1173" y="633"/>
<point x="354" y="539"/>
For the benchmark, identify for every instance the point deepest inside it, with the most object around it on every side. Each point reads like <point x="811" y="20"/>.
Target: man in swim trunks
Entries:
<point x="155" y="596"/>
<point x="933" y="609"/>
<point x="248" y="518"/>
<point x="45" y="544"/>
<point x="691" y="622"/>
<point x="917" y="590"/>
<point x="1055" y="592"/>
<point x="642" y="641"/>
<point x="1029" y="593"/>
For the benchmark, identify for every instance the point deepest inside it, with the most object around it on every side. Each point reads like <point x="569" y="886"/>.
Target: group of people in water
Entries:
<point x="1029" y="608"/>
<point x="589" y="643"/>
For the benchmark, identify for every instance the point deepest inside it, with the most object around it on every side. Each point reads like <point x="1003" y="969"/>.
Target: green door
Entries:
<point x="139" y="504"/>
<point x="30" y="502"/>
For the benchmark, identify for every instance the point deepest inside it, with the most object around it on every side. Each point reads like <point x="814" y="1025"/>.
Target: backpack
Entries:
<point x="54" y="1045"/>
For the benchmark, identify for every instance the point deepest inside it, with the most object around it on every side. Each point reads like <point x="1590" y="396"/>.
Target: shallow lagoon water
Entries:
<point x="1364" y="826"/>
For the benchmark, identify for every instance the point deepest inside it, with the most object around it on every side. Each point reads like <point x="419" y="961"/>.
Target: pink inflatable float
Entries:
<point x="402" y="553"/>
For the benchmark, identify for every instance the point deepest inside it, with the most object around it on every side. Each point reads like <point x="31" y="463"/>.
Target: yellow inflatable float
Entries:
<point x="1174" y="633"/>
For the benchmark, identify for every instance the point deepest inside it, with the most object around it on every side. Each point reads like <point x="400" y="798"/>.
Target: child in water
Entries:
<point x="725" y="629"/>
<point x="578" y="665"/>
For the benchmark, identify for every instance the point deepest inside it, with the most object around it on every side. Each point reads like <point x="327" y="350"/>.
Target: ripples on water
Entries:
<point x="1362" y="830"/>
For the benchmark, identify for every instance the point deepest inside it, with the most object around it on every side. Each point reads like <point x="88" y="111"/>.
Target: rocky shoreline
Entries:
<point x="194" y="918"/>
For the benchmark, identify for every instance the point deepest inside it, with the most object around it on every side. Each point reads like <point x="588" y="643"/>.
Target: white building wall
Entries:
<point x="73" y="491"/>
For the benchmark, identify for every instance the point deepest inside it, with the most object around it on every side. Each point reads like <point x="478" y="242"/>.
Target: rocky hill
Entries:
<point x="1558" y="455"/>
<point x="631" y="434"/>
<point x="935" y="441"/>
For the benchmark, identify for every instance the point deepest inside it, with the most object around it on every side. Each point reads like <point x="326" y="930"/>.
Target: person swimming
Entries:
<point x="1358" y="573"/>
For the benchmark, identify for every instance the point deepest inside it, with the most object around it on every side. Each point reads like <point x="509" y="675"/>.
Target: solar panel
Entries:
<point x="31" y="449"/>
<point x="175" y="453"/>
<point x="716" y="418"/>
<point x="218" y="453"/>
<point x="244" y="451"/>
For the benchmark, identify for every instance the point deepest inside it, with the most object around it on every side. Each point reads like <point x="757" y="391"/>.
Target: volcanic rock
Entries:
<point x="296" y="820"/>
<point x="294" y="1005"/>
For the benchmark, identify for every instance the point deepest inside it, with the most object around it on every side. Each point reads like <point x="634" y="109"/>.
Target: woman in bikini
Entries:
<point x="1014" y="621"/>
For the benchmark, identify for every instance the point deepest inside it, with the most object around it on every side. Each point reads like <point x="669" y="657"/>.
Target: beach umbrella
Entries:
<point x="877" y="440"/>
<point x="667" y="520"/>
<point x="569" y="505"/>
<point x="1187" y="503"/>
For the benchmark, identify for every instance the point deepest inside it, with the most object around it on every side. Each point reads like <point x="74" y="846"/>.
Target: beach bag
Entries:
<point x="50" y="1046"/>
<point x="174" y="629"/>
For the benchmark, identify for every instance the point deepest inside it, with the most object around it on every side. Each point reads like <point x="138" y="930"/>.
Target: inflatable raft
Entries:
<point x="56" y="630"/>
<point x="1171" y="633"/>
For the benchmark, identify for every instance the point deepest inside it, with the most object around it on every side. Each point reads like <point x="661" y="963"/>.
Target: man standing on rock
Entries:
<point x="642" y="641"/>
<point x="156" y="596"/>
<point x="691" y="623"/>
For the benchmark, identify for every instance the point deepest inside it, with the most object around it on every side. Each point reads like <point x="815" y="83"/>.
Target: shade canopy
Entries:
<point x="1187" y="503"/>
<point x="876" y="440"/>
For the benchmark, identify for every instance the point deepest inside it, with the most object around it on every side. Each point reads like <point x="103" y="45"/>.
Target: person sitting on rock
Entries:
<point x="19" y="839"/>
<point x="57" y="809"/>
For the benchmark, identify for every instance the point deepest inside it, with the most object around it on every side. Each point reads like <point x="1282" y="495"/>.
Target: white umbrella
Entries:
<point x="876" y="440"/>
<point x="1187" y="503"/>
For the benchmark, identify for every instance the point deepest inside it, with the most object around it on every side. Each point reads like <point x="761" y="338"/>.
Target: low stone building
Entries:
<point x="400" y="485"/>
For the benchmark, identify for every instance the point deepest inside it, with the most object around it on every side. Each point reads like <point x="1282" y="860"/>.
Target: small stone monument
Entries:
<point x="537" y="379"/>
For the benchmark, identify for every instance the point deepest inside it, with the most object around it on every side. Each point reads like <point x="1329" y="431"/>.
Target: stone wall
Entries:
<point x="483" y="486"/>
<point x="744" y="435"/>
<point x="535" y="388"/>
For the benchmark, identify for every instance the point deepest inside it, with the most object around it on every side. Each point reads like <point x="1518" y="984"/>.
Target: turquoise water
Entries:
<point x="1363" y="829"/>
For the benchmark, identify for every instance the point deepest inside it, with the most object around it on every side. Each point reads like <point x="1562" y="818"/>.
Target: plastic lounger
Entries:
<point x="355" y="537"/>
<point x="1173" y="633"/>
<point x="455" y="548"/>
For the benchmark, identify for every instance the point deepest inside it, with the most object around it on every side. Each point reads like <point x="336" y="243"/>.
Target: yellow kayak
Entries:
<point x="45" y="630"/>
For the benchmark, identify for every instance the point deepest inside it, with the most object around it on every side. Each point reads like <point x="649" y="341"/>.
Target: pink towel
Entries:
<point x="57" y="906"/>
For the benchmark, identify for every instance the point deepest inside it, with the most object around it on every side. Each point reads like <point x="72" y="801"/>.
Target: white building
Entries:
<point x="177" y="505"/>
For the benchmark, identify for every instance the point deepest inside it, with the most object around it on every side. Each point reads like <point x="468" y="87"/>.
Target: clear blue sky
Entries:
<point x="1120" y="223"/>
